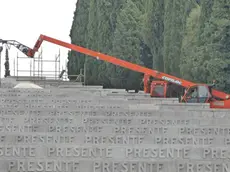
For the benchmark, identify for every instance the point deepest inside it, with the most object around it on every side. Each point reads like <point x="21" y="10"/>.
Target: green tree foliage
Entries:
<point x="127" y="43"/>
<point x="206" y="11"/>
<point x="176" y="12"/>
<point x="206" y="46"/>
<point x="185" y="38"/>
<point x="216" y="48"/>
<point x="153" y="36"/>
<point x="78" y="35"/>
<point x="189" y="61"/>
<point x="101" y="27"/>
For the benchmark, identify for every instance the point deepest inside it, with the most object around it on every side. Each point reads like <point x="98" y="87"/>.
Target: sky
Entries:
<point x="25" y="20"/>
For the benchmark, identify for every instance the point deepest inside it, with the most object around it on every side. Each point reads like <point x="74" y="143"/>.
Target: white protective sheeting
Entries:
<point x="27" y="85"/>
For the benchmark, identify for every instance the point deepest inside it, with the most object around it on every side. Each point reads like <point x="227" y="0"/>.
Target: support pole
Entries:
<point x="59" y="60"/>
<point x="14" y="67"/>
<point x="1" y="48"/>
<point x="7" y="65"/>
<point x="17" y="65"/>
<point x="85" y="73"/>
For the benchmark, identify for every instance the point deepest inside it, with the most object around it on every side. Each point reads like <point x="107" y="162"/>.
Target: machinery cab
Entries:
<point x="146" y="81"/>
<point x="158" y="89"/>
<point x="164" y="89"/>
<point x="197" y="94"/>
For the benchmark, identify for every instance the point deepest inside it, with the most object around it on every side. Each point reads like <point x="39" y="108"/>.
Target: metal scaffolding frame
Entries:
<point x="79" y="77"/>
<point x="55" y="76"/>
<point x="36" y="73"/>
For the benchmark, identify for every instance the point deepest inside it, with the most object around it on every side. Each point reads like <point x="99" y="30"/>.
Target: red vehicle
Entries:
<point x="165" y="86"/>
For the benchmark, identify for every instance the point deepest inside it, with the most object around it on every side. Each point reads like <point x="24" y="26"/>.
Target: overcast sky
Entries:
<point x="25" y="20"/>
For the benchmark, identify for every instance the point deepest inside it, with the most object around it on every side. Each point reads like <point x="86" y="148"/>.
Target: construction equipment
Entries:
<point x="193" y="92"/>
<point x="24" y="49"/>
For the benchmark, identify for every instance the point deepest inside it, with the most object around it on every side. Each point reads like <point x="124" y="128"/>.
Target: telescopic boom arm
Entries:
<point x="113" y="60"/>
<point x="24" y="49"/>
<point x="122" y="63"/>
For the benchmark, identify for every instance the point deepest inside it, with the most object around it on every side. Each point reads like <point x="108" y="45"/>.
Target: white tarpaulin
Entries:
<point x="27" y="85"/>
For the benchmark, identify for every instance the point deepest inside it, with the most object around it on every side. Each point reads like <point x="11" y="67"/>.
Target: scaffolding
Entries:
<point x="36" y="72"/>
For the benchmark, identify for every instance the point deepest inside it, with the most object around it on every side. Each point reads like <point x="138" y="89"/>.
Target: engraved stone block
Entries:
<point x="70" y="130"/>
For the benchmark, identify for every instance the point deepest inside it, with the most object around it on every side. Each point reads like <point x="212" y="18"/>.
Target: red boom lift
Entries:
<point x="193" y="93"/>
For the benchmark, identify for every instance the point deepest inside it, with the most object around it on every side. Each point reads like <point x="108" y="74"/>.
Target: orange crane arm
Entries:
<point x="220" y="94"/>
<point x="113" y="60"/>
<point x="121" y="63"/>
<point x="156" y="74"/>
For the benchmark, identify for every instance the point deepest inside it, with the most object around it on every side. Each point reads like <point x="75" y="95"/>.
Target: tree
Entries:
<point x="126" y="44"/>
<point x="78" y="35"/>
<point x="7" y="65"/>
<point x="216" y="48"/>
<point x="153" y="29"/>
<point x="188" y="39"/>
<point x="189" y="60"/>
<point x="101" y="27"/>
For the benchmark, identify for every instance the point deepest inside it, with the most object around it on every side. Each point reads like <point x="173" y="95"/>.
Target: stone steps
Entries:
<point x="88" y="129"/>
